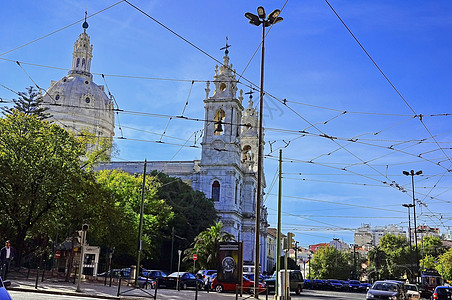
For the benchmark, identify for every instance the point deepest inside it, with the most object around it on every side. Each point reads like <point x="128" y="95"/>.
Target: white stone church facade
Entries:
<point x="227" y="171"/>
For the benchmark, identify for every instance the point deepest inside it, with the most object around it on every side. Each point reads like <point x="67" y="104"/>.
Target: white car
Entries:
<point x="412" y="291"/>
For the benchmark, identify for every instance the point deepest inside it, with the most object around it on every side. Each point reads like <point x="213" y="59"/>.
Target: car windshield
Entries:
<point x="354" y="282"/>
<point x="388" y="287"/>
<point x="176" y="274"/>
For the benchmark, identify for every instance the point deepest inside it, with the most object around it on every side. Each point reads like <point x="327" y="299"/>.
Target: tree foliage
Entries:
<point x="444" y="265"/>
<point x="120" y="212"/>
<point x="206" y="246"/>
<point x="193" y="213"/>
<point x="41" y="174"/>
<point x="329" y="262"/>
<point x="29" y="103"/>
<point x="432" y="246"/>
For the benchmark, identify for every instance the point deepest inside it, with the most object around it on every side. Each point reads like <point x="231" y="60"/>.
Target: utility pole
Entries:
<point x="140" y="228"/>
<point x="278" y="229"/>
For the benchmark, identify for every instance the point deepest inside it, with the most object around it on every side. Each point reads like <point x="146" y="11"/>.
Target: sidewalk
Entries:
<point x="89" y="289"/>
<point x="99" y="290"/>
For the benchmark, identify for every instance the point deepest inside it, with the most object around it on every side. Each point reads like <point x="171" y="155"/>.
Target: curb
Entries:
<point x="56" y="292"/>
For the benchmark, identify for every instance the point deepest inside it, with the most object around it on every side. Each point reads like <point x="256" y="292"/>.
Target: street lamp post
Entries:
<point x="412" y="174"/>
<point x="296" y="254"/>
<point x="261" y="18"/>
<point x="309" y="264"/>
<point x="409" y="221"/>
<point x="409" y="227"/>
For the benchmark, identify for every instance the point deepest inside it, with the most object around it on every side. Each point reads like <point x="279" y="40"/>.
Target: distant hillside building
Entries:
<point x="368" y="236"/>
<point x="227" y="170"/>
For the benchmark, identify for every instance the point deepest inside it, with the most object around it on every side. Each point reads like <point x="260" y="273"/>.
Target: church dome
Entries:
<point x="75" y="101"/>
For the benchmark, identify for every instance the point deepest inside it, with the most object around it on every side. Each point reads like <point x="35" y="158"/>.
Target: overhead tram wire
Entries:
<point x="67" y="26"/>
<point x="116" y="103"/>
<point x="386" y="77"/>
<point x="197" y="80"/>
<point x="183" y="111"/>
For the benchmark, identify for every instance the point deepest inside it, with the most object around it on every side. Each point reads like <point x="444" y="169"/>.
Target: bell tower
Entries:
<point x="220" y="166"/>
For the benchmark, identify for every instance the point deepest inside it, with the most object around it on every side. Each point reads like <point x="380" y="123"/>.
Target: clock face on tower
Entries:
<point x="228" y="264"/>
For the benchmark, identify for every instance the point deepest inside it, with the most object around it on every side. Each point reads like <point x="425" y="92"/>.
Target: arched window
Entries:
<point x="216" y="191"/>
<point x="83" y="63"/>
<point x="78" y="62"/>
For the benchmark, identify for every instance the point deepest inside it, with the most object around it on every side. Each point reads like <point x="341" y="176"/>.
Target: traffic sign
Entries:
<point x="195" y="257"/>
<point x="57" y="254"/>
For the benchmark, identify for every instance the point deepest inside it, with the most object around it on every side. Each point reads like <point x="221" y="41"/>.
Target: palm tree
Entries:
<point x="205" y="246"/>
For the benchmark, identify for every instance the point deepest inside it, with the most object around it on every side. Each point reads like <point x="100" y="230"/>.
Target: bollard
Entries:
<point x="119" y="285"/>
<point x="236" y="292"/>
<point x="43" y="271"/>
<point x="110" y="277"/>
<point x="105" y="279"/>
<point x="28" y="273"/>
<point x="37" y="277"/>
<point x="156" y="288"/>
<point x="196" y="289"/>
<point x="266" y="293"/>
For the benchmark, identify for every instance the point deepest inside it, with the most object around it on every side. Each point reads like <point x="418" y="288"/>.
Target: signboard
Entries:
<point x="57" y="254"/>
<point x="230" y="262"/>
<point x="195" y="257"/>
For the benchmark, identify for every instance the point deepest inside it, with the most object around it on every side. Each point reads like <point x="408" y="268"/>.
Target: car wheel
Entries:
<point x="298" y="290"/>
<point x="219" y="288"/>
<point x="184" y="286"/>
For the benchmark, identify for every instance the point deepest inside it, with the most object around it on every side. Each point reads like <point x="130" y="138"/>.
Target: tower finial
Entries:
<point x="85" y="24"/>
<point x="225" y="48"/>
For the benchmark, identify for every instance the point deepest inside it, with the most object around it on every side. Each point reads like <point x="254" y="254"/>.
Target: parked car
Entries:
<point x="186" y="280"/>
<point x="248" y="286"/>
<point x="364" y="286"/>
<point x="3" y="292"/>
<point x="319" y="284"/>
<point x="124" y="273"/>
<point x="354" y="286"/>
<point x="153" y="275"/>
<point x="412" y="291"/>
<point x="251" y="277"/>
<point x="335" y="285"/>
<point x="295" y="279"/>
<point x="442" y="293"/>
<point x="386" y="290"/>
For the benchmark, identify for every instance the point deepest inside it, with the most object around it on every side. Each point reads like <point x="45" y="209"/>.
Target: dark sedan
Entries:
<point x="186" y="280"/>
<point x="386" y="290"/>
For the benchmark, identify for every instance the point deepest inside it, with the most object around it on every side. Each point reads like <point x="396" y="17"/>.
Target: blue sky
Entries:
<point x="350" y="134"/>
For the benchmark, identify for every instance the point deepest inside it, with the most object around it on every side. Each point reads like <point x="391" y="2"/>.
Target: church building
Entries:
<point x="227" y="170"/>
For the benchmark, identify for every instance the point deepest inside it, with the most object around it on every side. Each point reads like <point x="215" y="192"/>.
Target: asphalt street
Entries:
<point x="186" y="295"/>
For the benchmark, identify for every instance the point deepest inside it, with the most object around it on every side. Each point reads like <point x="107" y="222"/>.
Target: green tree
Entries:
<point x="41" y="174"/>
<point x="193" y="213"/>
<point x="399" y="259"/>
<point x="206" y="246"/>
<point x="432" y="246"/>
<point x="329" y="262"/>
<point x="444" y="265"/>
<point x="29" y="103"/>
<point x="119" y="213"/>
<point x="377" y="258"/>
